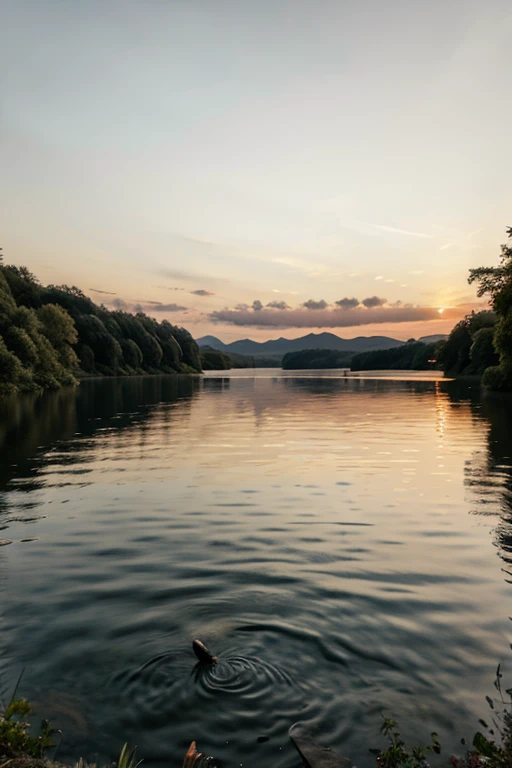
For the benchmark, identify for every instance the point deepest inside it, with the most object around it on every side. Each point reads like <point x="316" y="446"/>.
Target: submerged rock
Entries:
<point x="313" y="754"/>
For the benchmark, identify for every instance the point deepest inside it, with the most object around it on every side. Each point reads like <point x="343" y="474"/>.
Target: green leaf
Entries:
<point x="19" y="707"/>
<point x="483" y="745"/>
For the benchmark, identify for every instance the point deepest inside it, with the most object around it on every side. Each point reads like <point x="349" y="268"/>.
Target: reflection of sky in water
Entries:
<point x="328" y="537"/>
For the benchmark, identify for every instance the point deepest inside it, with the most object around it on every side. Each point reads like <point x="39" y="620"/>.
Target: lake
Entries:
<point x="343" y="543"/>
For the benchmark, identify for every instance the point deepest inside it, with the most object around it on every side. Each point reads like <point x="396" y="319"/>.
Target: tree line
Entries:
<point x="51" y="336"/>
<point x="415" y="356"/>
<point x="305" y="359"/>
<point x="481" y="343"/>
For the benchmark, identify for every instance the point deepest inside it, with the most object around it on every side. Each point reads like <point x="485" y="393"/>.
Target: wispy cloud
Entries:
<point x="372" y="230"/>
<point x="398" y="231"/>
<point x="202" y="292"/>
<point x="107" y="293"/>
<point x="168" y="288"/>
<point x="168" y="308"/>
<point x="132" y="305"/>
<point x="180" y="274"/>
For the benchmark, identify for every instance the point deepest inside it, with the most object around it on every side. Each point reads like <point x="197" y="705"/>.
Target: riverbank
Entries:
<point x="483" y="752"/>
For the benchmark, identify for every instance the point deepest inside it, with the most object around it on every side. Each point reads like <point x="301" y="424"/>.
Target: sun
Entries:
<point x="441" y="310"/>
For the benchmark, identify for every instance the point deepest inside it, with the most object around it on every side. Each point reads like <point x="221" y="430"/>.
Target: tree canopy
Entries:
<point x="496" y="282"/>
<point x="51" y="336"/>
<point x="316" y="358"/>
<point x="414" y="355"/>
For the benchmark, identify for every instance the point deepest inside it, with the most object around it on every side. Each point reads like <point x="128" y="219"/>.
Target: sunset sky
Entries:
<point x="207" y="158"/>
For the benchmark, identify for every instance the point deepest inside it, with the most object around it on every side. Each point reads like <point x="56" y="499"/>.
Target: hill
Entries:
<point x="282" y="346"/>
<point x="316" y="358"/>
<point x="50" y="336"/>
<point x="414" y="356"/>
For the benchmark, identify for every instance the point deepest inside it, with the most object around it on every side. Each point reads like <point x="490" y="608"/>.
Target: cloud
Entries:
<point x="278" y="305"/>
<point x="146" y="306"/>
<point x="323" y="318"/>
<point x="348" y="303"/>
<point x="120" y="304"/>
<point x="398" y="231"/>
<point x="373" y="301"/>
<point x="155" y="307"/>
<point x="202" y="292"/>
<point x="107" y="293"/>
<point x="312" y="304"/>
<point x="196" y="277"/>
<point x="257" y="305"/>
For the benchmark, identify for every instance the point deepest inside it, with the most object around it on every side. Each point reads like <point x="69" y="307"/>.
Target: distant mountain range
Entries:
<point x="279" y="347"/>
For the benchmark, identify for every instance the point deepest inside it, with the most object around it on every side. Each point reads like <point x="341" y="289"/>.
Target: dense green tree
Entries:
<point x="49" y="372"/>
<point x="478" y="320"/>
<point x="212" y="360"/>
<point x="24" y="286"/>
<point x="7" y="303"/>
<point x="71" y="298"/>
<point x="483" y="353"/>
<point x="55" y="332"/>
<point x="152" y="353"/>
<point x="316" y="358"/>
<point x="11" y="371"/>
<point x="410" y="356"/>
<point x="132" y="355"/>
<point x="86" y="358"/>
<point x="105" y="348"/>
<point x="22" y="345"/>
<point x="453" y="354"/>
<point x="469" y="347"/>
<point x="188" y="347"/>
<point x="496" y="282"/>
<point x="58" y="327"/>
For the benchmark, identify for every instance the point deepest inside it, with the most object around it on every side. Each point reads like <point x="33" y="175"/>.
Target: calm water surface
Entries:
<point x="344" y="544"/>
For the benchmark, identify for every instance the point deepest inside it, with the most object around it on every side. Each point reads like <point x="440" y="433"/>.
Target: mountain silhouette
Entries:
<point x="311" y="341"/>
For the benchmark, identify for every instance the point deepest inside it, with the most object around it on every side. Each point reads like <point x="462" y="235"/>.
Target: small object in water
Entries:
<point x="203" y="654"/>
<point x="195" y="759"/>
<point x="314" y="755"/>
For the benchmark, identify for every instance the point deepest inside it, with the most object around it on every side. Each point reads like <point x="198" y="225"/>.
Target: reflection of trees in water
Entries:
<point x="497" y="408"/>
<point x="32" y="425"/>
<point x="332" y="386"/>
<point x="489" y="473"/>
<point x="217" y="384"/>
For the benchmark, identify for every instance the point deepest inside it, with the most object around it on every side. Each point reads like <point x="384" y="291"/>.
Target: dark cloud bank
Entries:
<point x="319" y="314"/>
<point x="146" y="306"/>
